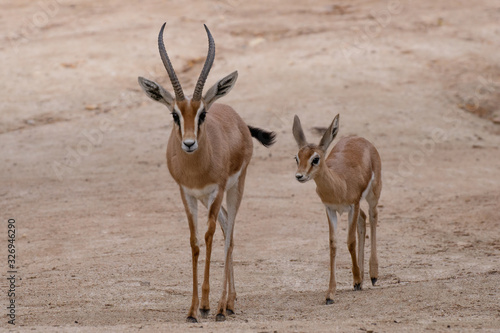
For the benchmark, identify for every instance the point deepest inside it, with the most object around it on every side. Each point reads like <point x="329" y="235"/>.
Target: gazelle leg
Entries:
<point x="361" y="243"/>
<point x="373" y="248"/>
<point x="214" y="204"/>
<point x="351" y="244"/>
<point x="233" y="200"/>
<point x="223" y="220"/>
<point x="222" y="215"/>
<point x="231" y="297"/>
<point x="232" y="292"/>
<point x="332" y="224"/>
<point x="191" y="207"/>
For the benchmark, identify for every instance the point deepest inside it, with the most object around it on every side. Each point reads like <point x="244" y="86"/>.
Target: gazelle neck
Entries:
<point x="330" y="187"/>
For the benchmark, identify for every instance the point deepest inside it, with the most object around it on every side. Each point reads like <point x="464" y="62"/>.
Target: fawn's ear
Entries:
<point x="220" y="89"/>
<point x="330" y="134"/>
<point x="156" y="92"/>
<point x="298" y="133"/>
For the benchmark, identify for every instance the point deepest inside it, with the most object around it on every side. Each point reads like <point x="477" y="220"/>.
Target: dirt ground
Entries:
<point x="102" y="238"/>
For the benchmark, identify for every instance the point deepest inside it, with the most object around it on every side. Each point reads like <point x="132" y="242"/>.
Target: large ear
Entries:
<point x="156" y="92"/>
<point x="330" y="134"/>
<point x="221" y="88"/>
<point x="298" y="133"/>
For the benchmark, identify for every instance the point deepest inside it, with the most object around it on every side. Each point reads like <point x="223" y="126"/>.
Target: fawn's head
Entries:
<point x="311" y="156"/>
<point x="189" y="113"/>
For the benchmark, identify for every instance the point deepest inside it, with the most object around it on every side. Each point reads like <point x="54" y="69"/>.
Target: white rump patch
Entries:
<point x="369" y="187"/>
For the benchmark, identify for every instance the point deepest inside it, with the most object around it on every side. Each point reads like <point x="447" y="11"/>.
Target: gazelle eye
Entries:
<point x="202" y="117"/>
<point x="176" y="118"/>
<point x="315" y="161"/>
<point x="297" y="159"/>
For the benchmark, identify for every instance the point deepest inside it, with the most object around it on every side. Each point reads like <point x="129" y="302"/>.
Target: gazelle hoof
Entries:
<point x="329" y="301"/>
<point x="374" y="280"/>
<point x="220" y="317"/>
<point x="191" y="319"/>
<point x="229" y="312"/>
<point x="204" y="312"/>
<point x="357" y="286"/>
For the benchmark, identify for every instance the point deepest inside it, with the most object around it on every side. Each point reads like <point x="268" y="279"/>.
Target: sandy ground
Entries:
<point x="102" y="238"/>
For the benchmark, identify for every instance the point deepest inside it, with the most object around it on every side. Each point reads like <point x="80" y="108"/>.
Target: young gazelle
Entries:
<point x="351" y="172"/>
<point x="208" y="153"/>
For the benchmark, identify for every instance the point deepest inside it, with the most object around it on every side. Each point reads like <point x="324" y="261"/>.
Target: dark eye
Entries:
<point x="202" y="117"/>
<point x="315" y="161"/>
<point x="176" y="118"/>
<point x="297" y="159"/>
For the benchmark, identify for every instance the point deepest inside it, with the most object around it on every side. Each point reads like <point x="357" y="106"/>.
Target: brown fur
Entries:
<point x="341" y="178"/>
<point x="202" y="157"/>
<point x="225" y="145"/>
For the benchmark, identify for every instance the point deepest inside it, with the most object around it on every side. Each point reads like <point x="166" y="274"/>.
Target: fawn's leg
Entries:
<point x="373" y="247"/>
<point x="332" y="224"/>
<point x="361" y="243"/>
<point x="351" y="244"/>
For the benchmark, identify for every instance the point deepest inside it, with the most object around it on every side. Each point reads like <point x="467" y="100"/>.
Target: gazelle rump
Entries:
<point x="208" y="153"/>
<point x="350" y="173"/>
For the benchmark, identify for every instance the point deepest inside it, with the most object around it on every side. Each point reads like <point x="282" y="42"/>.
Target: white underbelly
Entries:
<point x="208" y="193"/>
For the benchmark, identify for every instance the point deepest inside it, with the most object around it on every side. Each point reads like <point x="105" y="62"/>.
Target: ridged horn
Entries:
<point x="179" y="95"/>
<point x="206" y="68"/>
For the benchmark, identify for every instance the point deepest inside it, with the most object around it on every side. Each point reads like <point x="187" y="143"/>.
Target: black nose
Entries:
<point x="299" y="177"/>
<point x="189" y="143"/>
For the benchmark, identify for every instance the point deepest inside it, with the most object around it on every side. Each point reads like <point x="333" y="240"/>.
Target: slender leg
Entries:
<point x="231" y="298"/>
<point x="332" y="223"/>
<point x="351" y="244"/>
<point x="232" y="289"/>
<point x="223" y="220"/>
<point x="373" y="248"/>
<point x="232" y="292"/>
<point x="191" y="207"/>
<point x="223" y="223"/>
<point x="361" y="243"/>
<point x="214" y="204"/>
<point x="233" y="200"/>
<point x="222" y="215"/>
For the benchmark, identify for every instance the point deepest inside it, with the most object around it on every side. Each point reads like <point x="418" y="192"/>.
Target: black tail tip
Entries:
<point x="266" y="138"/>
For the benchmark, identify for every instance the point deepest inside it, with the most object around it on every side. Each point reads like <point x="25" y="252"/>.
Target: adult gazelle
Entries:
<point x="208" y="153"/>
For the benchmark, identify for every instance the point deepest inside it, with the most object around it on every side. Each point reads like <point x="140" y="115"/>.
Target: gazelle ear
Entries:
<point x="220" y="89"/>
<point x="298" y="133"/>
<point x="330" y="134"/>
<point x="156" y="92"/>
